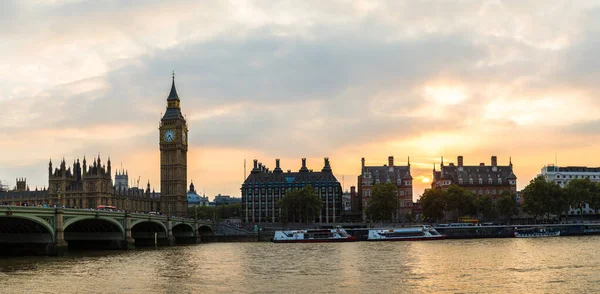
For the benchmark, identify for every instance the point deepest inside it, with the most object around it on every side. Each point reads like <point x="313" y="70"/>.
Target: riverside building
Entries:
<point x="563" y="175"/>
<point x="263" y="188"/>
<point x="399" y="175"/>
<point x="490" y="180"/>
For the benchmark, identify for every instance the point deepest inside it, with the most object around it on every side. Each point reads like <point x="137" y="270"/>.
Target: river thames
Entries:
<point x="556" y="265"/>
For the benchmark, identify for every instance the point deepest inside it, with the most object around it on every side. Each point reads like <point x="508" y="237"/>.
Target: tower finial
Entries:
<point x="173" y="75"/>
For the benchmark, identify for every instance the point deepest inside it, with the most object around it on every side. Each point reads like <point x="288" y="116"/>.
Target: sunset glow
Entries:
<point x="298" y="79"/>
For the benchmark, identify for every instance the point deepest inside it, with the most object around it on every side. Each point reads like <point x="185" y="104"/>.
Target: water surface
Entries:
<point x="546" y="265"/>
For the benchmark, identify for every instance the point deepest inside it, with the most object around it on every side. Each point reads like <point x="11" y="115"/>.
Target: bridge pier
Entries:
<point x="129" y="242"/>
<point x="60" y="246"/>
<point x="170" y="237"/>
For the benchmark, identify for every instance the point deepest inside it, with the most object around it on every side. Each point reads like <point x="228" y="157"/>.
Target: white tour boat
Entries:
<point x="420" y="233"/>
<point x="535" y="233"/>
<point x="337" y="234"/>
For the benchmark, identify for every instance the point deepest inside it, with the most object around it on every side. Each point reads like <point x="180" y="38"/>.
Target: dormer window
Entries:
<point x="499" y="180"/>
<point x="471" y="181"/>
<point x="460" y="181"/>
<point x="490" y="181"/>
<point x="480" y="181"/>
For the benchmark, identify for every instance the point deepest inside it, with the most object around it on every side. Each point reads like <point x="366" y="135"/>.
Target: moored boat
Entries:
<point x="337" y="234"/>
<point x="420" y="233"/>
<point x="535" y="233"/>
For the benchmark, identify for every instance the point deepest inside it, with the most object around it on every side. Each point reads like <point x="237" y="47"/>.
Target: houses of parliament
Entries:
<point x="89" y="185"/>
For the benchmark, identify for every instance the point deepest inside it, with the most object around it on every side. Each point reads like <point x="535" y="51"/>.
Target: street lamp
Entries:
<point x="58" y="198"/>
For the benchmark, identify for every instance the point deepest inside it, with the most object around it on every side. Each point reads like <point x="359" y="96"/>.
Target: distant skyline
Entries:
<point x="294" y="79"/>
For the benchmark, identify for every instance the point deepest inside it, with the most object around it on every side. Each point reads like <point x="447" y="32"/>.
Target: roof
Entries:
<point x="466" y="172"/>
<point x="172" y="111"/>
<point x="304" y="176"/>
<point x="173" y="94"/>
<point x="393" y="173"/>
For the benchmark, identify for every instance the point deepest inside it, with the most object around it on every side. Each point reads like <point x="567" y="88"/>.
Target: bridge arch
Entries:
<point x="204" y="230"/>
<point x="16" y="224"/>
<point x="113" y="222"/>
<point x="146" y="222"/>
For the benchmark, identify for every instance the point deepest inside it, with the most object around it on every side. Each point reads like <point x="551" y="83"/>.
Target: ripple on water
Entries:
<point x="450" y="266"/>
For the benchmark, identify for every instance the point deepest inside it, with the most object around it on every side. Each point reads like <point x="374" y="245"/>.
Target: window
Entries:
<point x="499" y="180"/>
<point x="487" y="192"/>
<point x="471" y="181"/>
<point x="490" y="181"/>
<point x="493" y="192"/>
<point x="460" y="181"/>
<point x="480" y="192"/>
<point x="480" y="181"/>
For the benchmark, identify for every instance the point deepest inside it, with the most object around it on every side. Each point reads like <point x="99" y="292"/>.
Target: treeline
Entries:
<point x="233" y="210"/>
<point x="541" y="199"/>
<point x="547" y="199"/>
<point x="439" y="205"/>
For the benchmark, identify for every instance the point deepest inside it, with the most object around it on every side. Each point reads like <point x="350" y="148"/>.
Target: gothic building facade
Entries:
<point x="173" y="139"/>
<point x="90" y="186"/>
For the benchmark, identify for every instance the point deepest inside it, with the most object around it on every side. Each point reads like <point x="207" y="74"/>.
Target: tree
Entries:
<point x="485" y="207"/>
<point x="300" y="205"/>
<point x="579" y="192"/>
<point x="459" y="200"/>
<point x="433" y="204"/>
<point x="507" y="205"/>
<point x="595" y="201"/>
<point x="543" y="198"/>
<point x="383" y="202"/>
<point x="201" y="212"/>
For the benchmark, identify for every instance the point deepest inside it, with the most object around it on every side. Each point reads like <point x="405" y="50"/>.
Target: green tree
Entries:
<point x="543" y="198"/>
<point x="383" y="202"/>
<point x="579" y="192"/>
<point x="507" y="205"/>
<point x="201" y="212"/>
<point x="300" y="205"/>
<point x="485" y="207"/>
<point x="433" y="204"/>
<point x="595" y="201"/>
<point x="459" y="200"/>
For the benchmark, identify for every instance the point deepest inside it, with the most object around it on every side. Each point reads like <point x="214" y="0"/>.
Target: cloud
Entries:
<point x="297" y="79"/>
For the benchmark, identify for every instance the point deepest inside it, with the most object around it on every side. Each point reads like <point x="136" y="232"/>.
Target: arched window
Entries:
<point x="471" y="181"/>
<point x="499" y="180"/>
<point x="480" y="181"/>
<point x="460" y="181"/>
<point x="490" y="181"/>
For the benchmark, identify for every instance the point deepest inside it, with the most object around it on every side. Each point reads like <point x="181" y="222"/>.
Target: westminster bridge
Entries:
<point x="55" y="230"/>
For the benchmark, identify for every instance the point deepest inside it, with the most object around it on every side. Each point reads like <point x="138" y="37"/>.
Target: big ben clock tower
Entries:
<point x="173" y="133"/>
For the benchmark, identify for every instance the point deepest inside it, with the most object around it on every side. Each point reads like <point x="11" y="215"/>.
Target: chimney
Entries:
<point x="303" y="169"/>
<point x="460" y="160"/>
<point x="362" y="164"/>
<point x="481" y="164"/>
<point x="277" y="167"/>
<point x="255" y="164"/>
<point x="494" y="161"/>
<point x="260" y="167"/>
<point x="277" y="163"/>
<point x="326" y="166"/>
<point x="391" y="161"/>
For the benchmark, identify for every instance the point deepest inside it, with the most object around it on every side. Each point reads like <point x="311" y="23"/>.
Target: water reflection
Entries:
<point x="485" y="265"/>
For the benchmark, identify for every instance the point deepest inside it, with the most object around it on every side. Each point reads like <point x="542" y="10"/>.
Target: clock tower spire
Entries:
<point x="173" y="144"/>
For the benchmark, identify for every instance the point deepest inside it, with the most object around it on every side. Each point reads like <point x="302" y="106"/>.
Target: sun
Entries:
<point x="425" y="180"/>
<point x="446" y="95"/>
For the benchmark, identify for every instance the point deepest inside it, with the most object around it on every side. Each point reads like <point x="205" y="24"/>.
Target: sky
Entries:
<point x="292" y="79"/>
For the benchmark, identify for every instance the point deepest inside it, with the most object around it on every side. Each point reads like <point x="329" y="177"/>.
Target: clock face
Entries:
<point x="169" y="136"/>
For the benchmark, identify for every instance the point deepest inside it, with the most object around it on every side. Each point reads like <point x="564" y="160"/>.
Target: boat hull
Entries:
<point x="545" y="235"/>
<point x="316" y="240"/>
<point x="433" y="238"/>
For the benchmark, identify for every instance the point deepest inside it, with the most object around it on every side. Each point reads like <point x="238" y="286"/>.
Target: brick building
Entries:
<point x="399" y="175"/>
<point x="480" y="179"/>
